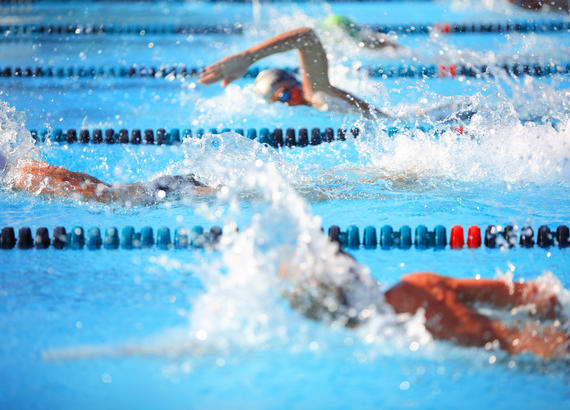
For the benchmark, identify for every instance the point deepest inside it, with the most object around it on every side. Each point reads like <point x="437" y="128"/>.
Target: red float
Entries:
<point x="456" y="240"/>
<point x="474" y="237"/>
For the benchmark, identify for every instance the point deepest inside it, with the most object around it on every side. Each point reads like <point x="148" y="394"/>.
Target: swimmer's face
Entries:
<point x="290" y="95"/>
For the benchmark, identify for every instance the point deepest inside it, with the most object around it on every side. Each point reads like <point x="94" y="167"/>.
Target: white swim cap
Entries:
<point x="269" y="81"/>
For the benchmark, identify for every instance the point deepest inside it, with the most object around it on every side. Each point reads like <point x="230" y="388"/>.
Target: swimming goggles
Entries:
<point x="284" y="96"/>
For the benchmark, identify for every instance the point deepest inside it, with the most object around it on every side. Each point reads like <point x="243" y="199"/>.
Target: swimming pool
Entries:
<point x="191" y="328"/>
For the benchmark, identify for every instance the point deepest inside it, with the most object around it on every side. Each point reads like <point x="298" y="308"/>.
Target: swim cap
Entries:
<point x="269" y="81"/>
<point x="341" y="22"/>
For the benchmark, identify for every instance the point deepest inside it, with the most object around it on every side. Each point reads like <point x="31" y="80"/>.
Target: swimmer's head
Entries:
<point x="279" y="85"/>
<point x="340" y="22"/>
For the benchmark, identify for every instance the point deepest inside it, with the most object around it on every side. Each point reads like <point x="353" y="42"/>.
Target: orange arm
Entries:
<point x="42" y="178"/>
<point x="449" y="318"/>
<point x="503" y="294"/>
<point x="497" y="293"/>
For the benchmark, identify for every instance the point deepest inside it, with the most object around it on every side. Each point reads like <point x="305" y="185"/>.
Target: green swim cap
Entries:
<point x="341" y="22"/>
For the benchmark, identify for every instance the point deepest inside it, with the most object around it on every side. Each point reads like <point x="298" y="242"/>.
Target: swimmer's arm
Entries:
<point x="311" y="53"/>
<point x="501" y="294"/>
<point x="497" y="293"/>
<point x="448" y="318"/>
<point x="314" y="65"/>
<point x="41" y="178"/>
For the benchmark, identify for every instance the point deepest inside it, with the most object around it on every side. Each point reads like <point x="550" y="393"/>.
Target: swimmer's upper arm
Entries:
<point x="314" y="62"/>
<point x="312" y="55"/>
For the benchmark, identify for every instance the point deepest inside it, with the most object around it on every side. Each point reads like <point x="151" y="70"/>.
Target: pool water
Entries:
<point x="193" y="328"/>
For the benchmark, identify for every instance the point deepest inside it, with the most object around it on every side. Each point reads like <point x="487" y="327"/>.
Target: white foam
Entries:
<point x="16" y="143"/>
<point x="515" y="153"/>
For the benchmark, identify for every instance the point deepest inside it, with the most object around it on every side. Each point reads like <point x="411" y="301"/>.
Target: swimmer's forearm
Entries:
<point x="312" y="55"/>
<point x="300" y="38"/>
<point x="546" y="341"/>
<point x="43" y="179"/>
<point x="502" y="294"/>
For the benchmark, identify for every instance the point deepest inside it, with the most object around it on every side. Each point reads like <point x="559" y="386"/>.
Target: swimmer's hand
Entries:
<point x="545" y="341"/>
<point x="227" y="69"/>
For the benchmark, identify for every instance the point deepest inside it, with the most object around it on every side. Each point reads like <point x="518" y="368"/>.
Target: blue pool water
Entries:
<point x="197" y="329"/>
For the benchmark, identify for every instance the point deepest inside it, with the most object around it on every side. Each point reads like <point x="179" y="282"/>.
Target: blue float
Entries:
<point x="77" y="240"/>
<point x="111" y="240"/>
<point x="127" y="237"/>
<point x="163" y="238"/>
<point x="94" y="241"/>
<point x="369" y="239"/>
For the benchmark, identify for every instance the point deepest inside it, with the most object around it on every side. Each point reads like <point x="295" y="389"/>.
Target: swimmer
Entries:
<point x="40" y="178"/>
<point x="315" y="89"/>
<point x="365" y="38"/>
<point x="347" y="295"/>
<point x="554" y="5"/>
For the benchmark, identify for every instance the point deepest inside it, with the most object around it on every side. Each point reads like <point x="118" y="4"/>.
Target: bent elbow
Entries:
<point x="306" y="30"/>
<point x="307" y="34"/>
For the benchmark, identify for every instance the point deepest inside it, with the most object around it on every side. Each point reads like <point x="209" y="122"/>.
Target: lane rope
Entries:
<point x="559" y="26"/>
<point x="173" y="72"/>
<point x="556" y="26"/>
<point x="111" y="29"/>
<point x="290" y="137"/>
<point x="200" y="238"/>
<point x="275" y="138"/>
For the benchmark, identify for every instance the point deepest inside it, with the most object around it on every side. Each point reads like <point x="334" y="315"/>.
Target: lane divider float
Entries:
<point x="494" y="237"/>
<point x="528" y="26"/>
<point x="553" y="26"/>
<point x="391" y="71"/>
<point x="77" y="238"/>
<point x="137" y="29"/>
<point x="275" y="138"/>
<point x="199" y="238"/>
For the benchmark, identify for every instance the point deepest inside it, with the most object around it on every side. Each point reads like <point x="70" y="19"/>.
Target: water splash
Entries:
<point x="16" y="143"/>
<point x="484" y="152"/>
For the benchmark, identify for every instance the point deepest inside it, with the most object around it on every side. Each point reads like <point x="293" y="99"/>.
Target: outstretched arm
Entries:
<point x="41" y="178"/>
<point x="313" y="59"/>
